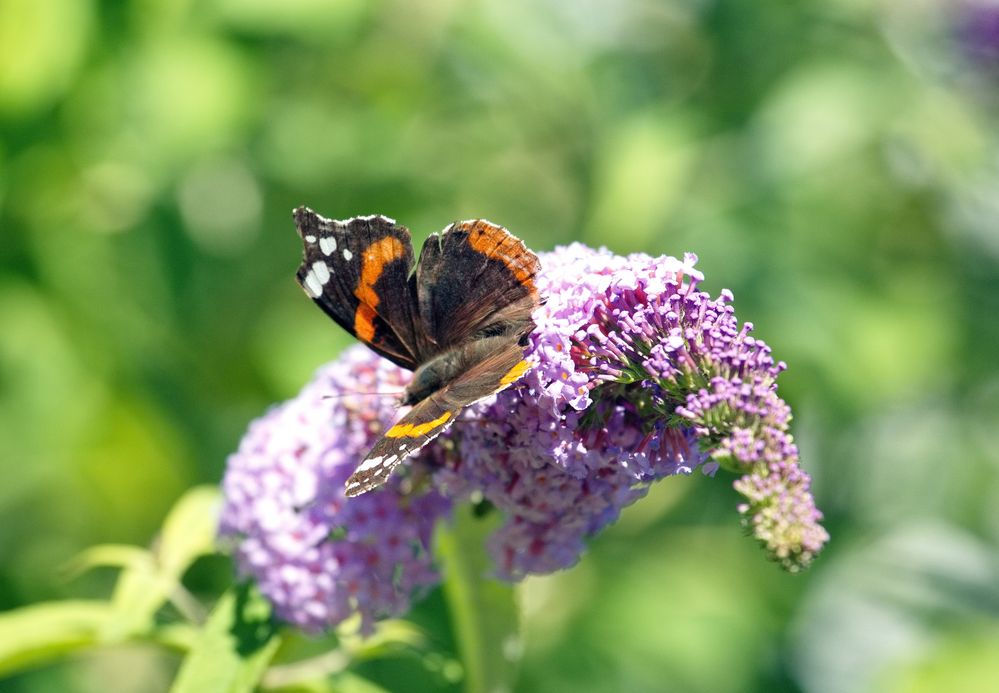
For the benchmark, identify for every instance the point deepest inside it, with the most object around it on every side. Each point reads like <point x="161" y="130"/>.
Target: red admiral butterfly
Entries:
<point x="460" y="322"/>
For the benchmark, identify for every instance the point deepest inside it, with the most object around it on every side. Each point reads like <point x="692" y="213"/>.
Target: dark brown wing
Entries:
<point x="474" y="279"/>
<point x="424" y="422"/>
<point x="358" y="272"/>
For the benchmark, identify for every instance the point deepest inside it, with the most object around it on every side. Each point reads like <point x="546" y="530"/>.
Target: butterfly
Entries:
<point x="460" y="321"/>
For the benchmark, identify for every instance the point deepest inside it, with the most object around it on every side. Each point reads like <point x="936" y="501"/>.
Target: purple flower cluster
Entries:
<point x="636" y="376"/>
<point x="317" y="556"/>
<point x="700" y="370"/>
<point x="562" y="453"/>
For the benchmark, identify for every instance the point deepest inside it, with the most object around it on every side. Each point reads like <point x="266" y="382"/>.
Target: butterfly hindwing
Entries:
<point x="358" y="272"/>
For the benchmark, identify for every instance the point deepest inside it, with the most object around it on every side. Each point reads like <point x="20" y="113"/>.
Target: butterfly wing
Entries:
<point x="475" y="279"/>
<point x="492" y="372"/>
<point x="358" y="272"/>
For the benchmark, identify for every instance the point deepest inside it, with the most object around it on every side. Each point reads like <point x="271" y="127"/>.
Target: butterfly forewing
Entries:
<point x="351" y="268"/>
<point x="423" y="423"/>
<point x="495" y="371"/>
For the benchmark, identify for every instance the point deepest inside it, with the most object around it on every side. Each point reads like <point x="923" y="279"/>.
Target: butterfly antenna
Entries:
<point x="363" y="394"/>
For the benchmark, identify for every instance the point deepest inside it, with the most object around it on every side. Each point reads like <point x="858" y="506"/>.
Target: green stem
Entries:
<point x="483" y="610"/>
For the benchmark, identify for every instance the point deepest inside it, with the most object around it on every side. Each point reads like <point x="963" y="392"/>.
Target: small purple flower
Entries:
<point x="316" y="555"/>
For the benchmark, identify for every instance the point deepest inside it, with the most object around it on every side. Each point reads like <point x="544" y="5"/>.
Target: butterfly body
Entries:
<point x="459" y="321"/>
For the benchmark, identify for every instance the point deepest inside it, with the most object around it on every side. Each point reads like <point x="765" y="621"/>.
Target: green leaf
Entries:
<point x="326" y="660"/>
<point x="352" y="683"/>
<point x="344" y="682"/>
<point x="43" y="632"/>
<point x="188" y="532"/>
<point x="483" y="610"/>
<point x="234" y="648"/>
<point x="179" y="637"/>
<point x="138" y="594"/>
<point x="391" y="635"/>
<point x="109" y="555"/>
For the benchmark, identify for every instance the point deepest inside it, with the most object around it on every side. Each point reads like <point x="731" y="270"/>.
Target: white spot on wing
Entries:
<point x="312" y="285"/>
<point x="327" y="244"/>
<point x="374" y="463"/>
<point x="347" y="254"/>
<point x="310" y="239"/>
<point x="321" y="271"/>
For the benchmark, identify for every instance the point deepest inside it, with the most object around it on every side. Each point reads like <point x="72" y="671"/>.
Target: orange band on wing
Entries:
<point x="515" y="373"/>
<point x="376" y="256"/>
<point x="489" y="240"/>
<point x="416" y="430"/>
<point x="364" y="322"/>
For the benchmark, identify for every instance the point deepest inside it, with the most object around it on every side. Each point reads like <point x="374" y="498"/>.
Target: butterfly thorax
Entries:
<point x="441" y="370"/>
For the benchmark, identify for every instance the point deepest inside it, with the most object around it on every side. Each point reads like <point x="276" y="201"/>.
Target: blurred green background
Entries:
<point x="835" y="163"/>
